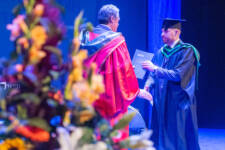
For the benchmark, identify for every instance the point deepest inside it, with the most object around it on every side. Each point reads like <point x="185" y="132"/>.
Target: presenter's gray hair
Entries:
<point x="106" y="12"/>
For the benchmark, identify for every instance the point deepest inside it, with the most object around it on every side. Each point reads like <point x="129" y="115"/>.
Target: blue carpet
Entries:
<point x="209" y="139"/>
<point x="212" y="139"/>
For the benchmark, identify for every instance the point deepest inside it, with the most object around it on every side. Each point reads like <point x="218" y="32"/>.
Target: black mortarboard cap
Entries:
<point x="172" y="23"/>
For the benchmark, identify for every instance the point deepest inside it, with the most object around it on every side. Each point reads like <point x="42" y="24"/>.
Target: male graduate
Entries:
<point x="172" y="82"/>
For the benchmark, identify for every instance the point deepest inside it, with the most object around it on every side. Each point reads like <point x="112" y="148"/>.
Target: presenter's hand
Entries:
<point x="145" y="95"/>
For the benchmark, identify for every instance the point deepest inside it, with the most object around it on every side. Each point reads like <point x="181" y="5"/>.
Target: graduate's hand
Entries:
<point x="145" y="95"/>
<point x="149" y="65"/>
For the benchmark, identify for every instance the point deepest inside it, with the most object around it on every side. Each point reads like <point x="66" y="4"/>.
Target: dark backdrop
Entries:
<point x="205" y="29"/>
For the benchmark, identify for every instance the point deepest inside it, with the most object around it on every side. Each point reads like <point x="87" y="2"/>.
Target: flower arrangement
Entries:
<point x="35" y="114"/>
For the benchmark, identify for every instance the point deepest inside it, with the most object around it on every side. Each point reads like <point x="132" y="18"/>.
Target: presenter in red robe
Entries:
<point x="108" y="49"/>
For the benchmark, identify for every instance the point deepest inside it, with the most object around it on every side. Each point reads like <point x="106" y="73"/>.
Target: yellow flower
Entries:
<point x="68" y="89"/>
<point x="82" y="54"/>
<point x="35" y="55"/>
<point x="92" y="98"/>
<point x="38" y="35"/>
<point x="66" y="120"/>
<point x="76" y="75"/>
<point x="13" y="144"/>
<point x="81" y="90"/>
<point x="39" y="10"/>
<point x="79" y="58"/>
<point x="76" y="44"/>
<point x="76" y="61"/>
<point x="85" y="115"/>
<point x="97" y="84"/>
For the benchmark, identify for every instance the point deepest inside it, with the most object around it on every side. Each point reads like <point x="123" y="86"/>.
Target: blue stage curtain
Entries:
<point x="157" y="10"/>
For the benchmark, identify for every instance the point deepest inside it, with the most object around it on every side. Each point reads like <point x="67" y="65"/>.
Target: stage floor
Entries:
<point x="212" y="139"/>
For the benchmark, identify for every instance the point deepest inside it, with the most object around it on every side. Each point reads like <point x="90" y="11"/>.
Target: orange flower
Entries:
<point x="25" y="2"/>
<point x="93" y="67"/>
<point x="39" y="10"/>
<point x="19" y="67"/>
<point x="33" y="133"/>
<point x="38" y="35"/>
<point x="58" y="96"/>
<point x="24" y="42"/>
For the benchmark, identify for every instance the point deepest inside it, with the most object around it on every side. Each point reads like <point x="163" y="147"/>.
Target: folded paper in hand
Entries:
<point x="139" y="57"/>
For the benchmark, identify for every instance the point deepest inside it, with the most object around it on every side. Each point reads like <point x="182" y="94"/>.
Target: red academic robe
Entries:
<point x="121" y="85"/>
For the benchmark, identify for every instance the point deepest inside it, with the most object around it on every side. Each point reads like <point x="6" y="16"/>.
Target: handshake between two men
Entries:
<point x="144" y="93"/>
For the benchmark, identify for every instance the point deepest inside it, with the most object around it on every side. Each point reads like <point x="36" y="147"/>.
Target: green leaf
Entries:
<point x="114" y="133"/>
<point x="30" y="6"/>
<point x="45" y="89"/>
<point x="56" y="51"/>
<point x="125" y="144"/>
<point x="13" y="55"/>
<point x="40" y="123"/>
<point x="87" y="136"/>
<point x="52" y="103"/>
<point x="124" y="121"/>
<point x="3" y="104"/>
<point x="138" y="145"/>
<point x="90" y="72"/>
<point x="61" y="8"/>
<point x="89" y="27"/>
<point x="22" y="112"/>
<point x="53" y="50"/>
<point x="77" y="23"/>
<point x="28" y="96"/>
<point x="54" y="74"/>
<point x="68" y="91"/>
<point x="104" y="128"/>
<point x="18" y="49"/>
<point x="16" y="9"/>
<point x="46" y="80"/>
<point x="34" y="23"/>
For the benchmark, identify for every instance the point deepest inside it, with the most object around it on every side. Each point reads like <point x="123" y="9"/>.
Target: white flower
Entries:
<point x="97" y="146"/>
<point x="67" y="141"/>
<point x="142" y="141"/>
